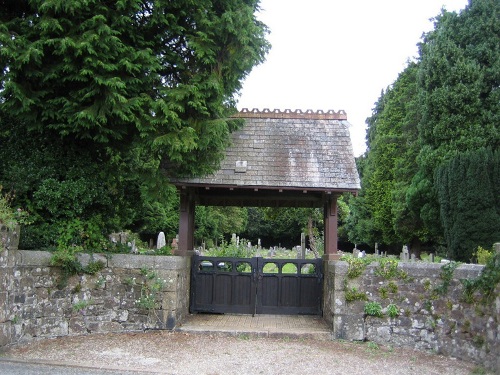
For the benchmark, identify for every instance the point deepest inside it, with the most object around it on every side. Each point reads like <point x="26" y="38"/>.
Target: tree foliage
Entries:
<point x="460" y="101"/>
<point x="381" y="212"/>
<point x="214" y="223"/>
<point x="164" y="71"/>
<point x="445" y="104"/>
<point x="100" y="99"/>
<point x="469" y="195"/>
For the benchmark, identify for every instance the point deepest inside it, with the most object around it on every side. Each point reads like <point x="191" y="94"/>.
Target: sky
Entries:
<point x="337" y="54"/>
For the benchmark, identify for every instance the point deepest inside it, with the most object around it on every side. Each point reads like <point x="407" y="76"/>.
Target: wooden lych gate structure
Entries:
<point x="278" y="159"/>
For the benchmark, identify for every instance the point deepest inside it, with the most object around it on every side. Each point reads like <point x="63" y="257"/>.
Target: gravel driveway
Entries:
<point x="183" y="353"/>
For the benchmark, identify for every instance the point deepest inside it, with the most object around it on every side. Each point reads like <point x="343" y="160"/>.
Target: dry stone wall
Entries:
<point x="32" y="306"/>
<point x="432" y="313"/>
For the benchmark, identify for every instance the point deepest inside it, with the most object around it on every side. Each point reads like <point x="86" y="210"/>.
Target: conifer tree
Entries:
<point x="98" y="99"/>
<point x="468" y="188"/>
<point x="164" y="72"/>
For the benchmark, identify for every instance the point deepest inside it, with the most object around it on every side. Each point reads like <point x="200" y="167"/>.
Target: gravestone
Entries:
<point x="303" y="245"/>
<point x="405" y="255"/>
<point x="119" y="237"/>
<point x="133" y="247"/>
<point x="174" y="244"/>
<point x="161" y="241"/>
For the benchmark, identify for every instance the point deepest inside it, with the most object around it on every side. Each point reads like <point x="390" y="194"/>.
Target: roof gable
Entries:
<point x="297" y="150"/>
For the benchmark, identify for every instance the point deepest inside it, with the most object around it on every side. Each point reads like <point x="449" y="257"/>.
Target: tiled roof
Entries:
<point x="274" y="149"/>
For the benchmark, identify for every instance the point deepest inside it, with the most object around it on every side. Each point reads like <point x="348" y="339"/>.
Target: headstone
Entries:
<point x="413" y="257"/>
<point x="355" y="253"/>
<point x="161" y="241"/>
<point x="431" y="257"/>
<point x="298" y="249"/>
<point x="133" y="248"/>
<point x="175" y="244"/>
<point x="303" y="245"/>
<point x="233" y="239"/>
<point x="119" y="237"/>
<point x="376" y="249"/>
<point x="405" y="255"/>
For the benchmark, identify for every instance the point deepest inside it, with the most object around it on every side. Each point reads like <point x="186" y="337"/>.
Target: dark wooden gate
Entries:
<point x="256" y="285"/>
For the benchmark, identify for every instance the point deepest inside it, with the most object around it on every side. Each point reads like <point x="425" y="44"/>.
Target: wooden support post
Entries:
<point x="186" y="224"/>
<point x="330" y="221"/>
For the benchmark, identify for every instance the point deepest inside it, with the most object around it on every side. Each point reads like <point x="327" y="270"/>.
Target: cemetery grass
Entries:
<point x="181" y="353"/>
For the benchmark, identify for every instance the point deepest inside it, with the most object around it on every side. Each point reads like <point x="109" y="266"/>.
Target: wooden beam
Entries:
<point x="186" y="223"/>
<point x="330" y="230"/>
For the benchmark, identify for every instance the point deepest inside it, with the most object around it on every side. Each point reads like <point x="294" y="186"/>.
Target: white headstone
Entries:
<point x="161" y="241"/>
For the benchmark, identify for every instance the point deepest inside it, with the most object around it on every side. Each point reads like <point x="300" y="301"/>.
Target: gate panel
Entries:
<point x="222" y="285"/>
<point x="256" y="285"/>
<point x="291" y="290"/>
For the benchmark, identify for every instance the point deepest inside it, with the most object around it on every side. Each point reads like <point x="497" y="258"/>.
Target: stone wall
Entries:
<point x="431" y="310"/>
<point x="432" y="313"/>
<point x="32" y="305"/>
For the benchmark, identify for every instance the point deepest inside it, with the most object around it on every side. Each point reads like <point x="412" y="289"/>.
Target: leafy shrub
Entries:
<point x="94" y="266"/>
<point x="482" y="255"/>
<point x="230" y="249"/>
<point x="353" y="294"/>
<point x="80" y="306"/>
<point x="485" y="283"/>
<point x="392" y="310"/>
<point x="373" y="309"/>
<point x="150" y="290"/>
<point x="8" y="216"/>
<point x="387" y="268"/>
<point x="86" y="234"/>
<point x="356" y="265"/>
<point x="65" y="257"/>
<point x="446" y="276"/>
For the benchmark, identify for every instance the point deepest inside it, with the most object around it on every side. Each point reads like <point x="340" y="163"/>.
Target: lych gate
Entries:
<point x="278" y="159"/>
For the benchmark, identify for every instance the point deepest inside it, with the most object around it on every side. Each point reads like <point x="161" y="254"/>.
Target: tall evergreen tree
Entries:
<point x="468" y="188"/>
<point x="380" y="213"/>
<point x="460" y="100"/>
<point x="446" y="103"/>
<point x="98" y="98"/>
<point x="163" y="72"/>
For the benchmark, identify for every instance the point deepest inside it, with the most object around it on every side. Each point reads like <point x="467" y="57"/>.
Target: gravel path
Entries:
<point x="181" y="353"/>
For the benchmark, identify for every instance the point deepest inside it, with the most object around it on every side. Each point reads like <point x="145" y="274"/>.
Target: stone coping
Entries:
<point x="166" y="262"/>
<point x="416" y="268"/>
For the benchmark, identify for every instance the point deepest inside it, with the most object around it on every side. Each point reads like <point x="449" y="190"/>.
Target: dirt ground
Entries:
<point x="208" y="354"/>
